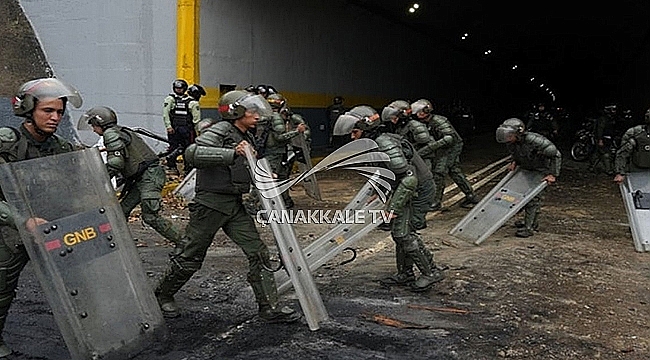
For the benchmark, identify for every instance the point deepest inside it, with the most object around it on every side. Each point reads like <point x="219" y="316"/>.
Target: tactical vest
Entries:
<point x="234" y="179"/>
<point x="25" y="147"/>
<point x="641" y="155"/>
<point x="138" y="155"/>
<point x="180" y="114"/>
<point x="422" y="171"/>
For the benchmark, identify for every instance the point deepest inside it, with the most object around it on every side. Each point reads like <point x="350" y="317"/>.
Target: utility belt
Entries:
<point x="179" y="122"/>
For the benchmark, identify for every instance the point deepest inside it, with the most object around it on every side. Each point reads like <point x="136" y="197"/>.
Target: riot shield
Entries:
<point x="83" y="254"/>
<point x="635" y="191"/>
<point x="292" y="256"/>
<point x="343" y="235"/>
<point x="186" y="188"/>
<point x="303" y="158"/>
<point x="514" y="191"/>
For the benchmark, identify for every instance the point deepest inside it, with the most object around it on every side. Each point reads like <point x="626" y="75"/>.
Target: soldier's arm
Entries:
<point x="549" y="150"/>
<point x="403" y="193"/>
<point x="209" y="148"/>
<point x="445" y="130"/>
<point x="167" y="107"/>
<point x="115" y="151"/>
<point x="195" y="110"/>
<point x="628" y="144"/>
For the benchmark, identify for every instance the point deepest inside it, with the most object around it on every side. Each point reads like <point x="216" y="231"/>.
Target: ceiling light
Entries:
<point x="411" y="10"/>
<point x="532" y="79"/>
<point x="514" y="67"/>
<point x="416" y="6"/>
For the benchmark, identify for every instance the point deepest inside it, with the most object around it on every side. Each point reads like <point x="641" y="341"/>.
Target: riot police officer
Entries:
<point x="364" y="122"/>
<point x="275" y="138"/>
<point x="42" y="102"/>
<point x="195" y="91"/>
<point x="398" y="114"/>
<point x="608" y="131"/>
<point x="222" y="177"/>
<point x="445" y="152"/>
<point x="542" y="122"/>
<point x="530" y="151"/>
<point x="180" y="113"/>
<point x="131" y="158"/>
<point x="333" y="111"/>
<point x="634" y="152"/>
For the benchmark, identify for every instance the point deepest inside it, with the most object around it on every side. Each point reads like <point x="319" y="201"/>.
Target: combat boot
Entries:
<point x="405" y="275"/>
<point x="168" y="306"/>
<point x="521" y="224"/>
<point x="284" y="315"/>
<point x="524" y="232"/>
<point x="425" y="282"/>
<point x="266" y="295"/>
<point x="469" y="202"/>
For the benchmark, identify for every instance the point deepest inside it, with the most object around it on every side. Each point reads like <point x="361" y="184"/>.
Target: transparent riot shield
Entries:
<point x="343" y="235"/>
<point x="303" y="159"/>
<point x="292" y="256"/>
<point x="83" y="254"/>
<point x="514" y="191"/>
<point x="635" y="191"/>
<point x="186" y="188"/>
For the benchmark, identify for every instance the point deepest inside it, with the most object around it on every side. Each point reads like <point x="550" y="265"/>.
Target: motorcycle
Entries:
<point x="584" y="144"/>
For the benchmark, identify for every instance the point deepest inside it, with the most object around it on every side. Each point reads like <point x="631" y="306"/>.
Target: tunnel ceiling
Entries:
<point x="570" y="47"/>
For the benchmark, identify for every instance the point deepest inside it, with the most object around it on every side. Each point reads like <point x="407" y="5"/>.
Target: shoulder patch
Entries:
<point x="8" y="134"/>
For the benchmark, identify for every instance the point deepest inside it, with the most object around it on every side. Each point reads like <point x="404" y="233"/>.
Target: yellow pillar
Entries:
<point x="187" y="40"/>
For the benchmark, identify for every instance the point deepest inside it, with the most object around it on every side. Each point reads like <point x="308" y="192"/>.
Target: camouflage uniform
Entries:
<point x="446" y="150"/>
<point x="418" y="135"/>
<point x="534" y="152"/>
<point x="276" y="137"/>
<point x="222" y="177"/>
<point x="634" y="153"/>
<point x="409" y="248"/>
<point x="130" y="156"/>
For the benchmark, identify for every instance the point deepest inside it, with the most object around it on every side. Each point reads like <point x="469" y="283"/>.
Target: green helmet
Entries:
<point x="39" y="89"/>
<point x="422" y="105"/>
<point x="361" y="117"/>
<point x="277" y="101"/>
<point x="512" y="126"/>
<point x="101" y="116"/>
<point x="397" y="110"/>
<point x="234" y="104"/>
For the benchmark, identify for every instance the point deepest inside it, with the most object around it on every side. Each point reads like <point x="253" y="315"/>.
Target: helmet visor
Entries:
<point x="51" y="88"/>
<point x="389" y="114"/>
<point x="256" y="104"/>
<point x="344" y="124"/>
<point x="505" y="134"/>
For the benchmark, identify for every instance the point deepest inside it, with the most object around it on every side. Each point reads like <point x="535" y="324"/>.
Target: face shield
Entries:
<point x="84" y="122"/>
<point x="505" y="134"/>
<point x="256" y="104"/>
<point x="389" y="114"/>
<point x="344" y="124"/>
<point x="51" y="88"/>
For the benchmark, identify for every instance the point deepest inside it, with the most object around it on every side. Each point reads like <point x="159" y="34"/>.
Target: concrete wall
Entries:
<point x="118" y="53"/>
<point x="122" y="54"/>
<point x="312" y="51"/>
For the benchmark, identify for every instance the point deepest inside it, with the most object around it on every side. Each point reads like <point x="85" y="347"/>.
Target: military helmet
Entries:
<point x="512" y="126"/>
<point x="277" y="101"/>
<point x="422" y="105"/>
<point x="646" y="117"/>
<point x="396" y="110"/>
<point x="179" y="84"/>
<point x="234" y="104"/>
<point x="101" y="116"/>
<point x="361" y="117"/>
<point x="40" y="89"/>
<point x="196" y="91"/>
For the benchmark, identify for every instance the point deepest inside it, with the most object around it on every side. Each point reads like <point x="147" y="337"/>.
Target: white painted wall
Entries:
<point x="119" y="53"/>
